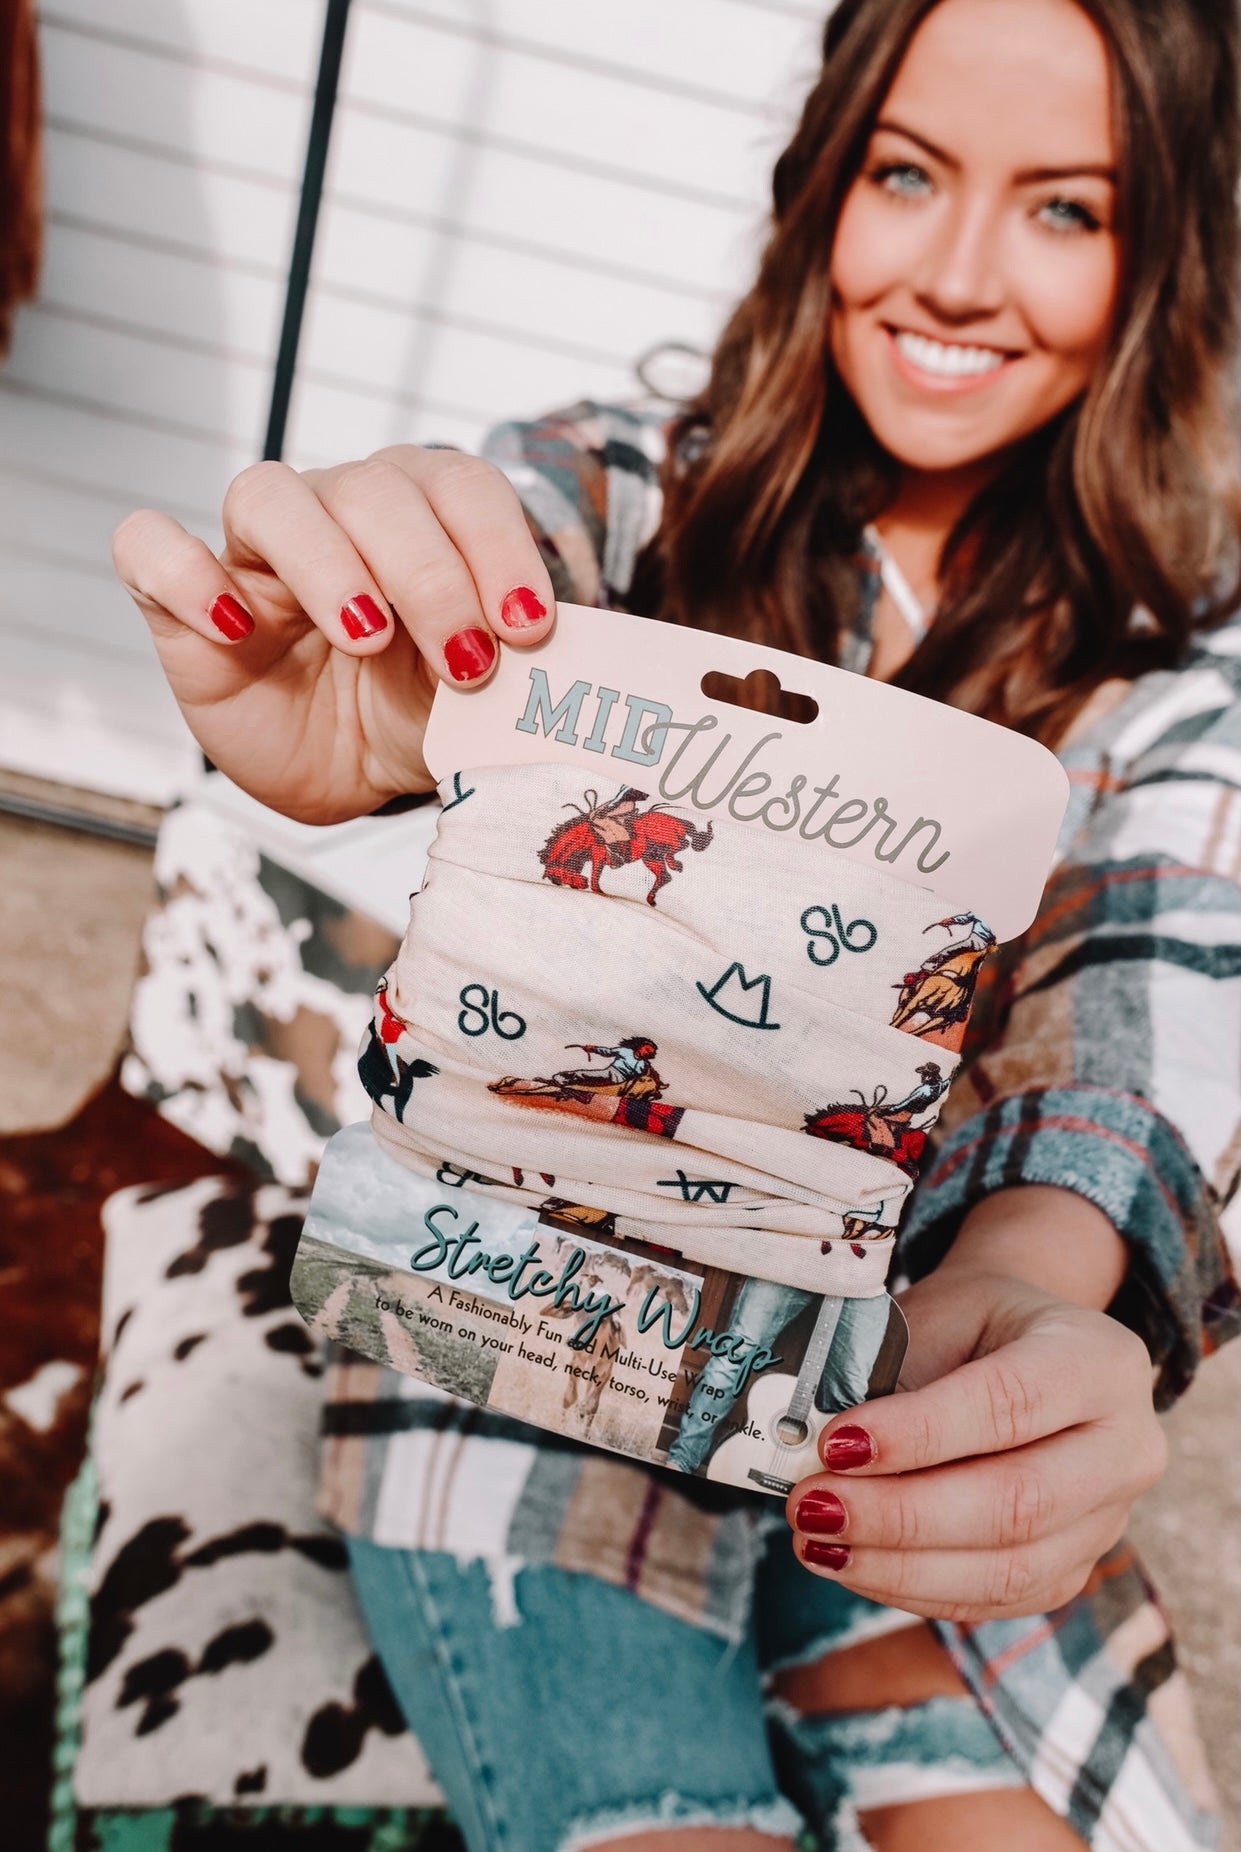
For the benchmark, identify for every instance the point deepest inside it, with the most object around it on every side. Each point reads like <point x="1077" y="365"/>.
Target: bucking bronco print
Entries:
<point x="627" y="1091"/>
<point x="615" y="834"/>
<point x="936" y="999"/>
<point x="882" y="1127"/>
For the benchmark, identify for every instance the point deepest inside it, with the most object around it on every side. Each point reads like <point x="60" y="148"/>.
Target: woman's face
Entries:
<point x="975" y="267"/>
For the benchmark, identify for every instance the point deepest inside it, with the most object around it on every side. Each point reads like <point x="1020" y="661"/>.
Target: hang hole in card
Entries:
<point x="760" y="693"/>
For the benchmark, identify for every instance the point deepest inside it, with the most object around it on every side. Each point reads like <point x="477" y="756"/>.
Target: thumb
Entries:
<point x="949" y="1322"/>
<point x="1034" y="1386"/>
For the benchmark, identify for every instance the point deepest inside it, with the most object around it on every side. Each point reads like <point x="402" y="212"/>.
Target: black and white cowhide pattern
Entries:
<point x="227" y="1658"/>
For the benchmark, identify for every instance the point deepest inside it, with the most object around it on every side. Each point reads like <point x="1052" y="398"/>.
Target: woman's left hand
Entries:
<point x="994" y="1485"/>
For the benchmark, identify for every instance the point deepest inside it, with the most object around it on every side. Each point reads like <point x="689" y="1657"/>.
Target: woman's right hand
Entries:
<point x="306" y="656"/>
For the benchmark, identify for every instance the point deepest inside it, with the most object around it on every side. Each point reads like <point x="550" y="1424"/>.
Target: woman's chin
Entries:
<point x="932" y="443"/>
<point x="942" y="459"/>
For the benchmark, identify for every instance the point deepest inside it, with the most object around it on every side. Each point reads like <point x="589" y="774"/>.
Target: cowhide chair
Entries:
<point x="215" y="1678"/>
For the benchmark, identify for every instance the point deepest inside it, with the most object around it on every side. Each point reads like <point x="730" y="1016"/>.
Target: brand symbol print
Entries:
<point x="480" y="1011"/>
<point x="697" y="1189"/>
<point x="736" y="987"/>
<point x="828" y="926"/>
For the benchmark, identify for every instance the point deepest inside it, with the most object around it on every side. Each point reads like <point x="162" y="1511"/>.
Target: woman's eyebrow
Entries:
<point x="1097" y="170"/>
<point x="1100" y="170"/>
<point x="898" y="128"/>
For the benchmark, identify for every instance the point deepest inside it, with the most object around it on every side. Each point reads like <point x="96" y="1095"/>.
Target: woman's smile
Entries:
<point x="938" y="366"/>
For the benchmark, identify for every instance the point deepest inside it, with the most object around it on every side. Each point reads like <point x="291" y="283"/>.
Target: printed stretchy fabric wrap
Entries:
<point x="697" y="1033"/>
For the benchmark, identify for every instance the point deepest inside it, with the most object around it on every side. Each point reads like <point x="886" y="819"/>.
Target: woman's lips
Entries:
<point x="944" y="367"/>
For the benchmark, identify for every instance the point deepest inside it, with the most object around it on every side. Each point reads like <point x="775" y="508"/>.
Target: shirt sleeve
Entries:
<point x="1109" y="1041"/>
<point x="588" y="479"/>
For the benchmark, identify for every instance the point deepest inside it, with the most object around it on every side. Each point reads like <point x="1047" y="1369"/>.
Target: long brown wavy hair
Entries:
<point x="1129" y="498"/>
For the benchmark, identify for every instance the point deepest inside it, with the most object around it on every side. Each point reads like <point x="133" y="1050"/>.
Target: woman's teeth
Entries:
<point x="948" y="359"/>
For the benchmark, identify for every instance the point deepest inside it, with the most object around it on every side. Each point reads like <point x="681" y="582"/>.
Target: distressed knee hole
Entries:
<point x="903" y="1668"/>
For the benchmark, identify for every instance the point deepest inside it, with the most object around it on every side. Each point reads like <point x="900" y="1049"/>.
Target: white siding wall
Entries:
<point x="523" y="197"/>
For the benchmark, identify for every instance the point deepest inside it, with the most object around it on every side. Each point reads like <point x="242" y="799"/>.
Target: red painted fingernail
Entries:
<point x="820" y="1513"/>
<point x="828" y="1555"/>
<point x="230" y="618"/>
<point x="469" y="654"/>
<point x="521" y="608"/>
<point x="849" y="1447"/>
<point x="362" y="617"/>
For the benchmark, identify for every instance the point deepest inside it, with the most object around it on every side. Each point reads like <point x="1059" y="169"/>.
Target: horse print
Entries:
<point x="881" y="1127"/>
<point x="615" y="834"/>
<point x="936" y="999"/>
<point x="628" y="1091"/>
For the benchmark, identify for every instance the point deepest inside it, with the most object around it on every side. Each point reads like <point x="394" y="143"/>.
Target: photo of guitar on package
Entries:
<point x="657" y="1065"/>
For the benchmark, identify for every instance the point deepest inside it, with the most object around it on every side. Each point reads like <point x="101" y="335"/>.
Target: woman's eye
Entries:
<point x="903" y="178"/>
<point x="1068" y="215"/>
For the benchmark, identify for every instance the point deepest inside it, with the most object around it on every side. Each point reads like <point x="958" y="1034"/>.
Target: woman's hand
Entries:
<point x="993" y="1486"/>
<point x="306" y="656"/>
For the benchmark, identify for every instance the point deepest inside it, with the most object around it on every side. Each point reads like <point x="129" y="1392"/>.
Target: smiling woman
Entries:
<point x="990" y="350"/>
<point x="1029" y="307"/>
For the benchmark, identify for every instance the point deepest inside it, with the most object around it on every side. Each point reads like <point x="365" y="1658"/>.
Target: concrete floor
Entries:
<point x="71" y="909"/>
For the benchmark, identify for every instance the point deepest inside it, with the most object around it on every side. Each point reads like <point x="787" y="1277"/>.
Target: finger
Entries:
<point x="1042" y="1382"/>
<point x="479" y="509"/>
<point x="176" y="580"/>
<point x="417" y="563"/>
<point x="274" y="521"/>
<point x="971" y="1583"/>
<point x="1001" y="1501"/>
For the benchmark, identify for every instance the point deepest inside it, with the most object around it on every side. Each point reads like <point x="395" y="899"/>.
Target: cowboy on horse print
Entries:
<point x="626" y="1092"/>
<point x="935" y="1000"/>
<point x="615" y="833"/>
<point x="882" y="1128"/>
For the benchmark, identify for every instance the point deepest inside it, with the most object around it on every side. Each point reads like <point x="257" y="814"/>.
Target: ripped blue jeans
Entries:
<point x="558" y="1711"/>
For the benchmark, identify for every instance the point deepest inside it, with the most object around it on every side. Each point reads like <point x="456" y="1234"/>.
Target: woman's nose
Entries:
<point x="960" y="275"/>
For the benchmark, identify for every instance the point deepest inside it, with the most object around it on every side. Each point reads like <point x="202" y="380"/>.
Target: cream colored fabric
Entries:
<point x="727" y="1041"/>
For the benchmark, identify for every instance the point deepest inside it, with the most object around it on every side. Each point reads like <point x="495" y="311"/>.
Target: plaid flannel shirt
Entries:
<point x="1104" y="1057"/>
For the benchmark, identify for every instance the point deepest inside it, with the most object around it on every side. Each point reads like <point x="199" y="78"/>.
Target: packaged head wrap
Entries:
<point x="652" y="1074"/>
<point x="602" y="1004"/>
